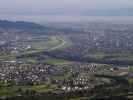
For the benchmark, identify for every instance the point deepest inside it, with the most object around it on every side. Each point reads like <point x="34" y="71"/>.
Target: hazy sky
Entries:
<point x="48" y="6"/>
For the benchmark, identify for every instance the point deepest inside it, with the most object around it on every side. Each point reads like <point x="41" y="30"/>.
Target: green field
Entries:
<point x="38" y="45"/>
<point x="8" y="91"/>
<point x="53" y="61"/>
<point x="7" y="57"/>
<point x="130" y="81"/>
<point x="45" y="44"/>
<point x="42" y="44"/>
<point x="130" y="68"/>
<point x="110" y="56"/>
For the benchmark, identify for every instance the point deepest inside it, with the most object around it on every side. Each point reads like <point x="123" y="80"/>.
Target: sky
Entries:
<point x="94" y="7"/>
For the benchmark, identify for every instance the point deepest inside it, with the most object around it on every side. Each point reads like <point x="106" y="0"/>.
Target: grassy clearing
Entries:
<point x="16" y="90"/>
<point x="7" y="57"/>
<point x="53" y="61"/>
<point x="31" y="60"/>
<point x="111" y="56"/>
<point x="66" y="76"/>
<point x="40" y="45"/>
<point x="122" y="56"/>
<point x="67" y="44"/>
<point x="97" y="55"/>
<point x="130" y="81"/>
<point x="52" y="43"/>
<point x="130" y="68"/>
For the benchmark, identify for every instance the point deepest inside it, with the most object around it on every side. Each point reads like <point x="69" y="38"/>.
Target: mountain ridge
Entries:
<point x="6" y="24"/>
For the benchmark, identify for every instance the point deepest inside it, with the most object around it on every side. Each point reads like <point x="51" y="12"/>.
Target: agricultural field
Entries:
<point x="42" y="44"/>
<point x="57" y="61"/>
<point x="7" y="91"/>
<point x="34" y="46"/>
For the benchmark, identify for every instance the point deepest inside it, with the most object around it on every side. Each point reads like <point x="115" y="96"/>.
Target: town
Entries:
<point x="68" y="61"/>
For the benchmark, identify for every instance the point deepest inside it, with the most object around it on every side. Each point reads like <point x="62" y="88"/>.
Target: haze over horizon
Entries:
<point x="67" y="7"/>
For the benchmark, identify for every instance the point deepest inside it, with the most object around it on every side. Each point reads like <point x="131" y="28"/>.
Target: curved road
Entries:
<point x="63" y="42"/>
<point x="58" y="46"/>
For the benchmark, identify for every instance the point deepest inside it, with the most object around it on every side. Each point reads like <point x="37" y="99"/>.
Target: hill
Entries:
<point x="19" y="25"/>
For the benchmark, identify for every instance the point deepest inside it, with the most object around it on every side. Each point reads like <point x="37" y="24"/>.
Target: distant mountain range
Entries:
<point x="33" y="27"/>
<point x="19" y="25"/>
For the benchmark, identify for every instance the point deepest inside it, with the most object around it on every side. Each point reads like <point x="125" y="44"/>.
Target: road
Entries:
<point x="58" y="46"/>
<point x="63" y="42"/>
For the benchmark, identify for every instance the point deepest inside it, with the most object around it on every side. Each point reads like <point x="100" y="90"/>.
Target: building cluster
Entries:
<point x="84" y="77"/>
<point x="23" y="74"/>
<point x="90" y="67"/>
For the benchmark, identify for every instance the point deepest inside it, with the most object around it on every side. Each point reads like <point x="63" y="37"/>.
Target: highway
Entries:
<point x="58" y="46"/>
